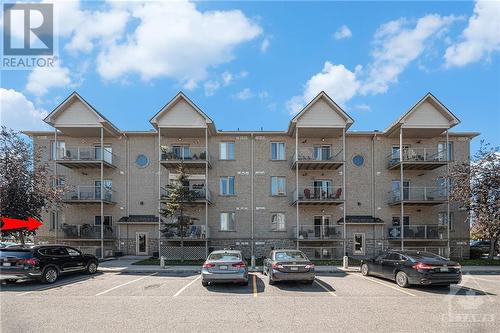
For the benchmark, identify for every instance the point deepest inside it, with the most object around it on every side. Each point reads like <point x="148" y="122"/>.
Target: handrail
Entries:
<point x="189" y="232"/>
<point x="84" y="192"/>
<point x="86" y="153"/>
<point x="313" y="232"/>
<point x="199" y="193"/>
<point x="424" y="231"/>
<point x="327" y="193"/>
<point x="318" y="155"/>
<point x="418" y="154"/>
<point x="86" y="231"/>
<point x="424" y="193"/>
<point x="184" y="153"/>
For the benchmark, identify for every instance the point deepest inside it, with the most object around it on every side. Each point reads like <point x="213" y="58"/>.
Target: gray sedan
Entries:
<point x="225" y="266"/>
<point x="288" y="265"/>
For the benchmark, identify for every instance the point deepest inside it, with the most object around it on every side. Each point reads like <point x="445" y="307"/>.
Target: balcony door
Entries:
<point x="107" y="185"/>
<point x="395" y="151"/>
<point x="181" y="152"/>
<point x="322" y="152"/>
<point x="322" y="189"/>
<point x="396" y="192"/>
<point x="321" y="224"/>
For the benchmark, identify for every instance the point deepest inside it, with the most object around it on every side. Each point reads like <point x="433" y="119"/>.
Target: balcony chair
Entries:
<point x="338" y="193"/>
<point x="307" y="193"/>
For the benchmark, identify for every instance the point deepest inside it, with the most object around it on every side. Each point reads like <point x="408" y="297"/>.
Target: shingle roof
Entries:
<point x="361" y="219"/>
<point x="139" y="218"/>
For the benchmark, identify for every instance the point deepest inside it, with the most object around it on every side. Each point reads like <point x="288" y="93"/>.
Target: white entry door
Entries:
<point x="141" y="241"/>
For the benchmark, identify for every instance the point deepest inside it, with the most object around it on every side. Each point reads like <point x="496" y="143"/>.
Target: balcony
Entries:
<point x="190" y="157"/>
<point x="89" y="195"/>
<point x="319" y="232"/>
<point x="418" y="159"/>
<point x="418" y="196"/>
<point x="86" y="232"/>
<point x="419" y="232"/>
<point x="190" y="233"/>
<point x="313" y="158"/>
<point x="86" y="157"/>
<point x="317" y="195"/>
<point x="200" y="195"/>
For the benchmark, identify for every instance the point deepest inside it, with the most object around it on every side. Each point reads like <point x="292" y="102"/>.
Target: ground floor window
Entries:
<point x="359" y="243"/>
<point x="54" y="220"/>
<point x="278" y="222"/>
<point x="227" y="221"/>
<point x="108" y="220"/>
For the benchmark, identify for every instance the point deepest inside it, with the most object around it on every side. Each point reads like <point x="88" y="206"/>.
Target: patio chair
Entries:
<point x="307" y="193"/>
<point x="338" y="193"/>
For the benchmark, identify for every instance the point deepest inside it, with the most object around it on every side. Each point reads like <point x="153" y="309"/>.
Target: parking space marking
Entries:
<point x="387" y="285"/>
<point x="254" y="285"/>
<point x="124" y="284"/>
<point x="187" y="285"/>
<point x="324" y="287"/>
<point x="480" y="279"/>
<point x="53" y="286"/>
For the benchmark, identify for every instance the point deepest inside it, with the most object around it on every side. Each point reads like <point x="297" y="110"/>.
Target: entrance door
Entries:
<point x="359" y="243"/>
<point x="141" y="239"/>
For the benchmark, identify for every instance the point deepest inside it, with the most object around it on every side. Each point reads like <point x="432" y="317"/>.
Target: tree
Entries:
<point x="25" y="188"/>
<point x="177" y="199"/>
<point x="476" y="186"/>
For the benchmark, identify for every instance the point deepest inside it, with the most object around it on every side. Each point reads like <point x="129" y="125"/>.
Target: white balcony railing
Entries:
<point x="89" y="153"/>
<point x="318" y="193"/>
<point x="419" y="232"/>
<point x="317" y="154"/>
<point x="418" y="155"/>
<point x="196" y="192"/>
<point x="418" y="194"/>
<point x="88" y="193"/>
<point x="86" y="231"/>
<point x="184" y="153"/>
<point x="192" y="232"/>
<point x="315" y="232"/>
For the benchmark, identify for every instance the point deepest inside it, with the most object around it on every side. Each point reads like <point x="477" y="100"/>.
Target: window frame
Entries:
<point x="278" y="194"/>
<point x="233" y="215"/>
<point x="277" y="144"/>
<point x="227" y="151"/>
<point x="406" y="216"/>
<point x="228" y="187"/>
<point x="105" y="216"/>
<point x="277" y="229"/>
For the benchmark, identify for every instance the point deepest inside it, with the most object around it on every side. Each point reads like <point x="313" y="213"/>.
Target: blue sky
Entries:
<point x="253" y="64"/>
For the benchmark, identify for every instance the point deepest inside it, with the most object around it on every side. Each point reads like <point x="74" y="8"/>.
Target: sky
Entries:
<point x="252" y="65"/>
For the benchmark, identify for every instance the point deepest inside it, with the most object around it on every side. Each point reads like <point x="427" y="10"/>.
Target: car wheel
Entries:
<point x="204" y="283"/>
<point x="50" y="275"/>
<point x="402" y="279"/>
<point x="271" y="281"/>
<point x="364" y="270"/>
<point x="92" y="267"/>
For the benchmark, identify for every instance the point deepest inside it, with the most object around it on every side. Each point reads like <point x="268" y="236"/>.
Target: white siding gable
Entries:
<point x="426" y="115"/>
<point x="76" y="114"/>
<point x="321" y="114"/>
<point x="181" y="114"/>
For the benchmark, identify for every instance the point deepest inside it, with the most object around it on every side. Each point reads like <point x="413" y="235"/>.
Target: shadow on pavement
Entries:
<point x="223" y="287"/>
<point x="318" y="286"/>
<point x="35" y="285"/>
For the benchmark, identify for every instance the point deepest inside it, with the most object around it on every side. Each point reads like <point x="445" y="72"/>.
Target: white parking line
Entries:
<point x="325" y="288"/>
<point x="476" y="278"/>
<point x="187" y="285"/>
<point x="387" y="285"/>
<point x="124" y="284"/>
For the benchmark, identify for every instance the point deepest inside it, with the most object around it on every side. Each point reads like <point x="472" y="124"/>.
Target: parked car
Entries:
<point x="225" y="266"/>
<point x="413" y="267"/>
<point x="43" y="262"/>
<point x="7" y="244"/>
<point x="484" y="246"/>
<point x="288" y="265"/>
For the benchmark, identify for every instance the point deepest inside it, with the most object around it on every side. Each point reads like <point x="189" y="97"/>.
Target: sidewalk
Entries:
<point x="125" y="265"/>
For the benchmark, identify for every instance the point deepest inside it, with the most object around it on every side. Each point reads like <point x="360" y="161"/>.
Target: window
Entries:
<point x="278" y="222"/>
<point x="58" y="181"/>
<point x="60" y="152"/>
<point x="278" y="185"/>
<point x="227" y="221"/>
<point x="396" y="190"/>
<point x="108" y="220"/>
<point x="322" y="152"/>
<point x="57" y="251"/>
<point x="395" y="151"/>
<point x="442" y="219"/>
<point x="277" y="151"/>
<point x="54" y="220"/>
<point x="358" y="160"/>
<point x="226" y="150"/>
<point x="227" y="185"/>
<point x="442" y="186"/>
<point x="445" y="153"/>
<point x="180" y="152"/>
<point x="108" y="190"/>
<point x="396" y="220"/>
<point x="359" y="243"/>
<point x="73" y="252"/>
<point x="142" y="161"/>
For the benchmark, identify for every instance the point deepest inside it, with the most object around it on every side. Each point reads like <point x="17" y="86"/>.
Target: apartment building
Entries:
<point x="317" y="186"/>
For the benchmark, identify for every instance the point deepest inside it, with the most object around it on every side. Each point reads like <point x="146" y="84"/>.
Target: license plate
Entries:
<point x="444" y="269"/>
<point x="223" y="267"/>
<point x="6" y="264"/>
<point x="294" y="268"/>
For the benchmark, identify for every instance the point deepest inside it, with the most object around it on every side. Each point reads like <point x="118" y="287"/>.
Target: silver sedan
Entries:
<point x="288" y="265"/>
<point x="225" y="266"/>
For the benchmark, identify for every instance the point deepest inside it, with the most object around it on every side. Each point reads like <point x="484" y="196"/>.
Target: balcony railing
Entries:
<point x="87" y="154"/>
<point x="192" y="232"/>
<point x="419" y="232"/>
<point x="422" y="194"/>
<point x="318" y="155"/>
<point x="88" y="193"/>
<point x="317" y="193"/>
<point x="317" y="232"/>
<point x="418" y="155"/>
<point x="197" y="193"/>
<point x="86" y="231"/>
<point x="172" y="153"/>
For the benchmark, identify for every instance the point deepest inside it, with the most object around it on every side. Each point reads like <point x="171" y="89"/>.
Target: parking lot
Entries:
<point x="133" y="302"/>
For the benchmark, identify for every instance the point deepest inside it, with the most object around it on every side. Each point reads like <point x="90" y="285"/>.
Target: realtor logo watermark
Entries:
<point x="28" y="35"/>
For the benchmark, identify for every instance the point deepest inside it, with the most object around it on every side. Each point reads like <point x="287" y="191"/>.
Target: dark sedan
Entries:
<point x="413" y="267"/>
<point x="288" y="265"/>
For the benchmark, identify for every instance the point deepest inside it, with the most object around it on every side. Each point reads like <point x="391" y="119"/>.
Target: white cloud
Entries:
<point x="244" y="94"/>
<point x="225" y="79"/>
<point x="363" y="107"/>
<point x="337" y="81"/>
<point x="263" y="94"/>
<point x="17" y="112"/>
<point x="264" y="45"/>
<point x="41" y="79"/>
<point x="176" y="40"/>
<point x="480" y="38"/>
<point x="343" y="32"/>
<point x="396" y="46"/>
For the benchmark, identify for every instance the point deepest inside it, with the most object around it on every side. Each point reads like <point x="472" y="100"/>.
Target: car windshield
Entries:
<point x="289" y="255"/>
<point x="426" y="256"/>
<point x="15" y="253"/>
<point x="224" y="256"/>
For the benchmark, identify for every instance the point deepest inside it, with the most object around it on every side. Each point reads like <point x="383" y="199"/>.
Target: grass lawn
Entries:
<point x="479" y="262"/>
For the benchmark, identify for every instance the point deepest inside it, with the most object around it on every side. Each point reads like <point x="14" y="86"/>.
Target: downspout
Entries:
<point x="447" y="152"/>
<point x="159" y="192"/>
<point x="252" y="201"/>
<point x="401" y="175"/>
<point x="206" y="191"/>
<point x="297" y="182"/>
<point x="345" y="257"/>
<point x="56" y="215"/>
<point x="102" y="192"/>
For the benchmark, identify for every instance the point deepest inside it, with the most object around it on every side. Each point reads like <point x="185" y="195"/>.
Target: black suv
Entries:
<point x="43" y="262"/>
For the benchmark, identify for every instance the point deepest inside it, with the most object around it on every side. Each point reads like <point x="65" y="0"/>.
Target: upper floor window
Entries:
<point x="180" y="152"/>
<point x="278" y="185"/>
<point x="322" y="152"/>
<point x="226" y="150"/>
<point x="277" y="151"/>
<point x="227" y="221"/>
<point x="227" y="185"/>
<point x="278" y="222"/>
<point x="396" y="220"/>
<point x="60" y="151"/>
<point x="108" y="220"/>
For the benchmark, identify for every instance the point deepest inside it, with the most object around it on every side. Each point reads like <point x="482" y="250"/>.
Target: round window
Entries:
<point x="358" y="160"/>
<point x="142" y="161"/>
